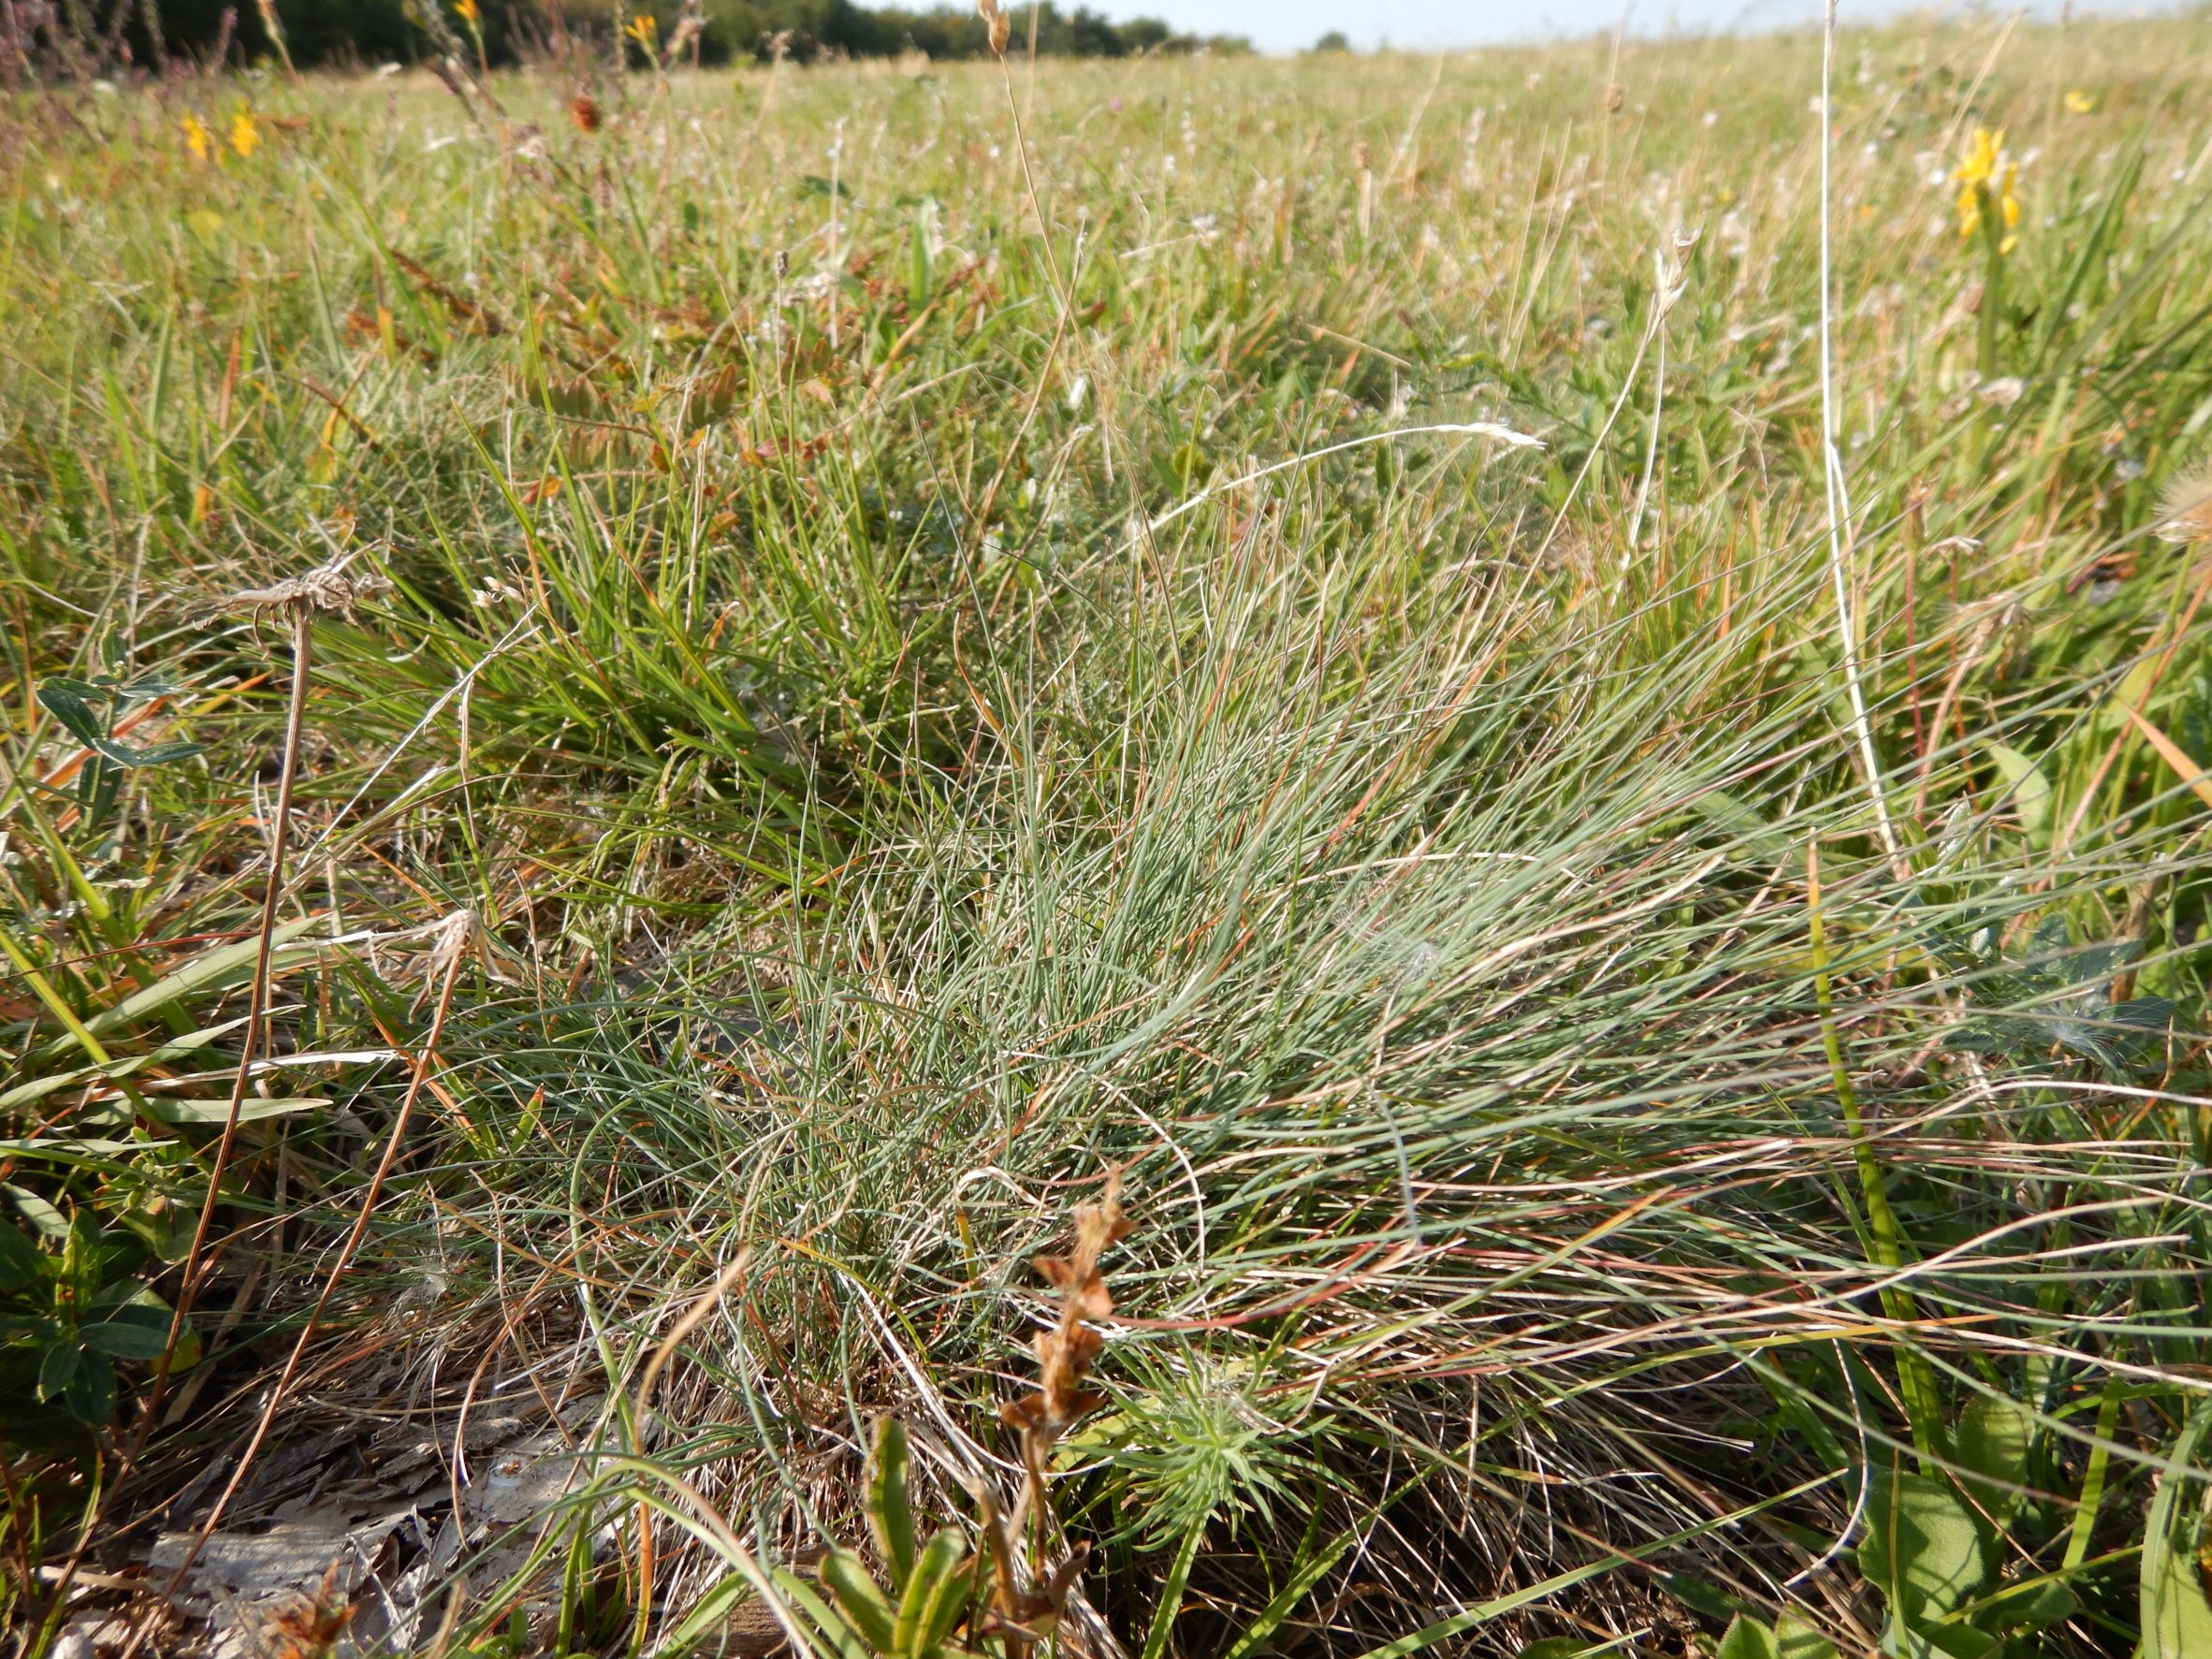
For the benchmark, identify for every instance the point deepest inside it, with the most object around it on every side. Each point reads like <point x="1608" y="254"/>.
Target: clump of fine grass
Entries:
<point x="921" y="715"/>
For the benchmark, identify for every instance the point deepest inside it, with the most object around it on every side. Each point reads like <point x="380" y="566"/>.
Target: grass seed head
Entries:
<point x="1673" y="263"/>
<point x="995" y="20"/>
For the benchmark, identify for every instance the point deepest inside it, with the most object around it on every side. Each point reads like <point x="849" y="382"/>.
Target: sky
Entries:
<point x="1286" y="26"/>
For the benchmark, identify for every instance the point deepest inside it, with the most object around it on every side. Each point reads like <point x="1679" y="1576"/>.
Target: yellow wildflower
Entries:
<point x="468" y="14"/>
<point x="1980" y="164"/>
<point x="245" y="137"/>
<point x="643" y="28"/>
<point x="1987" y="181"/>
<point x="197" y="139"/>
<point x="2080" y="102"/>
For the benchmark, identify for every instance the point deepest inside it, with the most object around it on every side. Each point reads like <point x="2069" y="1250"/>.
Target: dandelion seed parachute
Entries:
<point x="2185" y="511"/>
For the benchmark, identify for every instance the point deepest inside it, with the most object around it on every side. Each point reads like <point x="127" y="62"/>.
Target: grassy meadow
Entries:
<point x="871" y="649"/>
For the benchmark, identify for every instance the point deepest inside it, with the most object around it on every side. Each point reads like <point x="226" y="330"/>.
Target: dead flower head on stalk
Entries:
<point x="455" y="939"/>
<point x="995" y="20"/>
<point x="331" y="589"/>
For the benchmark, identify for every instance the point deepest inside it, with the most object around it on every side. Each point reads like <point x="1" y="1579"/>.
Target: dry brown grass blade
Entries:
<point x="482" y="321"/>
<point x="2174" y="756"/>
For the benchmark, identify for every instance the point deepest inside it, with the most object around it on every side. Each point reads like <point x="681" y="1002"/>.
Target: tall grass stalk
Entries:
<point x="1839" y="495"/>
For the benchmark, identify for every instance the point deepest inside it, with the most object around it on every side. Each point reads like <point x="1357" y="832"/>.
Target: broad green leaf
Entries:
<point x="154" y="754"/>
<point x="931" y="1605"/>
<point x="1747" y="1638"/>
<point x="708" y="1613"/>
<point x="1922" y="1548"/>
<point x="76" y="1149"/>
<point x="1798" y="1640"/>
<point x="1960" y="1641"/>
<point x="43" y="1216"/>
<point x="1991" y="1444"/>
<point x="20" y="1261"/>
<point x="891" y="1518"/>
<point x="91" y="1393"/>
<point x="125" y="1338"/>
<point x="24" y="1094"/>
<point x="836" y="1630"/>
<point x="859" y="1597"/>
<point x="130" y="1322"/>
<point x="2031" y="790"/>
<point x="1699" y="1596"/>
<point x="1790" y="1638"/>
<point x="65" y="701"/>
<point x="2047" y="1604"/>
<point x="57" y="1369"/>
<point x="208" y="970"/>
<point x="959" y="1591"/>
<point x="2177" y="1620"/>
<point x="253" y="1109"/>
<point x="177" y="1048"/>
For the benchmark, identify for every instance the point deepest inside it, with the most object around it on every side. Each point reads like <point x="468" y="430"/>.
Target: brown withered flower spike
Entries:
<point x="1065" y="1353"/>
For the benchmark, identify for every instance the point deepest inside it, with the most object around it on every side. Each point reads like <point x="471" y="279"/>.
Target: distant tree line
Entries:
<point x="335" y="33"/>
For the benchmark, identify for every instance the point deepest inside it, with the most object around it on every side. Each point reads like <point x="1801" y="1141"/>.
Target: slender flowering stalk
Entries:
<point x="272" y="26"/>
<point x="1989" y="205"/>
<point x="329" y="588"/>
<point x="1839" y="497"/>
